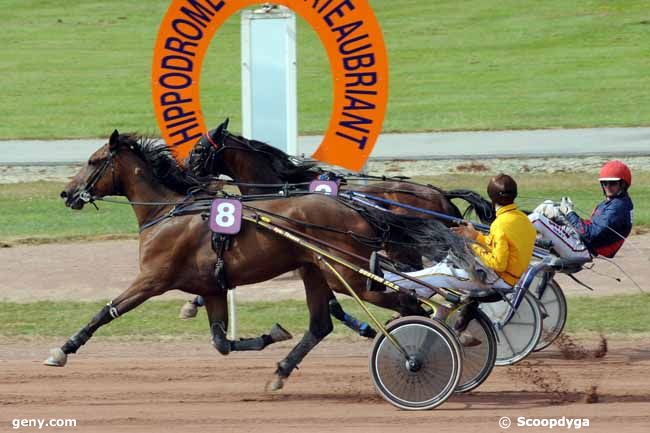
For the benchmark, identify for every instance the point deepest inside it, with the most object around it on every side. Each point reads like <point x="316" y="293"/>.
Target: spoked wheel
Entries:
<point x="478" y="361"/>
<point x="431" y="373"/>
<point x="554" y="311"/>
<point x="518" y="337"/>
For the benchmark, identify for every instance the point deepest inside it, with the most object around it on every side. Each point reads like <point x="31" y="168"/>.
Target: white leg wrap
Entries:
<point x="113" y="311"/>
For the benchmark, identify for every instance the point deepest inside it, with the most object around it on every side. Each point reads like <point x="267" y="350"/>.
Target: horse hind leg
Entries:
<point x="217" y="308"/>
<point x="320" y="324"/>
<point x="362" y="328"/>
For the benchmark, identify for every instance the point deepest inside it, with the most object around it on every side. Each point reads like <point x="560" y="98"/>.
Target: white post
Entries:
<point x="268" y="65"/>
<point x="269" y="89"/>
<point x="232" y="315"/>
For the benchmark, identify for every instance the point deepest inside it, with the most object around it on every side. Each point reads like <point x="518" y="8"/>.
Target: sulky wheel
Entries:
<point x="554" y="310"/>
<point x="478" y="360"/>
<point x="518" y="337"/>
<point x="430" y="374"/>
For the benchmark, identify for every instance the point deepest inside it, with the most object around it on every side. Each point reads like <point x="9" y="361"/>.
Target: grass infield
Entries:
<point x="82" y="68"/>
<point x="587" y="315"/>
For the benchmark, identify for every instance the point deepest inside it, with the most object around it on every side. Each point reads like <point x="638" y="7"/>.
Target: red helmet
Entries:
<point x="616" y="170"/>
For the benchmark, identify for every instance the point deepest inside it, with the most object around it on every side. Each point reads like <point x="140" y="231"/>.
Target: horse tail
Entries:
<point x="428" y="237"/>
<point x="482" y="207"/>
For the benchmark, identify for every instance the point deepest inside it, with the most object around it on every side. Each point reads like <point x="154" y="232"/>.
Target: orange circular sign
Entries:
<point x="355" y="46"/>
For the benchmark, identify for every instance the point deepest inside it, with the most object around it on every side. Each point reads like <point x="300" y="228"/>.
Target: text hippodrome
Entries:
<point x="354" y="47"/>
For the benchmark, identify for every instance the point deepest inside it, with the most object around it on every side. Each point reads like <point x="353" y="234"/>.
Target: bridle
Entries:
<point x="216" y="147"/>
<point x="219" y="146"/>
<point x="85" y="194"/>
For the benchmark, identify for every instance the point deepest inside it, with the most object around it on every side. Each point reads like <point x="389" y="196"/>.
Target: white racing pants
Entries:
<point x="446" y="275"/>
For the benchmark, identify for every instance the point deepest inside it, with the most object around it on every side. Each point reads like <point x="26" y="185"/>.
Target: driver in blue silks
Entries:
<point x="605" y="231"/>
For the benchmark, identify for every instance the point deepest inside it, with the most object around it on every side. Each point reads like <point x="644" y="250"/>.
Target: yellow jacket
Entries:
<point x="508" y="247"/>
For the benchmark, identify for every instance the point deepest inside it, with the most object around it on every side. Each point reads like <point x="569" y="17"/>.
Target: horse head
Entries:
<point x="97" y="178"/>
<point x="114" y="167"/>
<point x="220" y="152"/>
<point x="206" y="157"/>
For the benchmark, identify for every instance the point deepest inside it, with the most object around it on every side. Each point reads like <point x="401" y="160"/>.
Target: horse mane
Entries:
<point x="200" y="161"/>
<point x="288" y="168"/>
<point x="203" y="162"/>
<point x="160" y="159"/>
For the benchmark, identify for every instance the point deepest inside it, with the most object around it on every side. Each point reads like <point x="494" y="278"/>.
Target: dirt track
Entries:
<point x="170" y="386"/>
<point x="164" y="387"/>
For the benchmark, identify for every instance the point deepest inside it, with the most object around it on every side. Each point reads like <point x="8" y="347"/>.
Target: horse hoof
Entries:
<point x="278" y="333"/>
<point x="276" y="384"/>
<point x="188" y="311"/>
<point x="56" y="359"/>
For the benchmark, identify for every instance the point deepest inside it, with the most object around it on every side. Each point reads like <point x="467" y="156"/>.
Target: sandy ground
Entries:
<point x="162" y="386"/>
<point x="171" y="387"/>
<point x="103" y="269"/>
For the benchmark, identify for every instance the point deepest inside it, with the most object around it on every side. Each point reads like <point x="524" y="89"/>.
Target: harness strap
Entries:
<point x="215" y="145"/>
<point x="220" y="243"/>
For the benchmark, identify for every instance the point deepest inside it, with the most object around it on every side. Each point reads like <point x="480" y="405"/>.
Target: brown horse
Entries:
<point x="176" y="252"/>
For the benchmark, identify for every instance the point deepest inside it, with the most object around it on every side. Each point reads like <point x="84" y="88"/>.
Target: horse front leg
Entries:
<point x="217" y="308"/>
<point x="141" y="290"/>
<point x="320" y="324"/>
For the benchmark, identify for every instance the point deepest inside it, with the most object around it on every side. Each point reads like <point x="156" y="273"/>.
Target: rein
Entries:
<point x="200" y="204"/>
<point x="300" y="185"/>
<point x="365" y="240"/>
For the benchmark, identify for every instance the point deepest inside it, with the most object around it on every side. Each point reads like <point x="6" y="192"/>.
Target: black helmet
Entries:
<point x="502" y="189"/>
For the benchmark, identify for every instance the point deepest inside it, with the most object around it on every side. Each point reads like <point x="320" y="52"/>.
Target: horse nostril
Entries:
<point x="64" y="194"/>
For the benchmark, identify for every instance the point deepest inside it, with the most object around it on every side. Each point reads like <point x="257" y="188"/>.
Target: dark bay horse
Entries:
<point x="251" y="164"/>
<point x="176" y="252"/>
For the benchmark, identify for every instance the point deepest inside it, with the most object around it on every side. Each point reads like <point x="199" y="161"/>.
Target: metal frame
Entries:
<point x="267" y="223"/>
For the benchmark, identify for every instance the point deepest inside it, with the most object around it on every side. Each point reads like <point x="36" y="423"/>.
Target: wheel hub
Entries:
<point x="413" y="364"/>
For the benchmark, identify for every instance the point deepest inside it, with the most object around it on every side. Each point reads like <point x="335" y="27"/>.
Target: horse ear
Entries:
<point x="217" y="134"/>
<point x="114" y="140"/>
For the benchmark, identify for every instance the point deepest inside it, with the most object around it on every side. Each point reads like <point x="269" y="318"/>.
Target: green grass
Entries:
<point x="157" y="318"/>
<point x="33" y="212"/>
<point x="82" y="68"/>
<point x="609" y="315"/>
